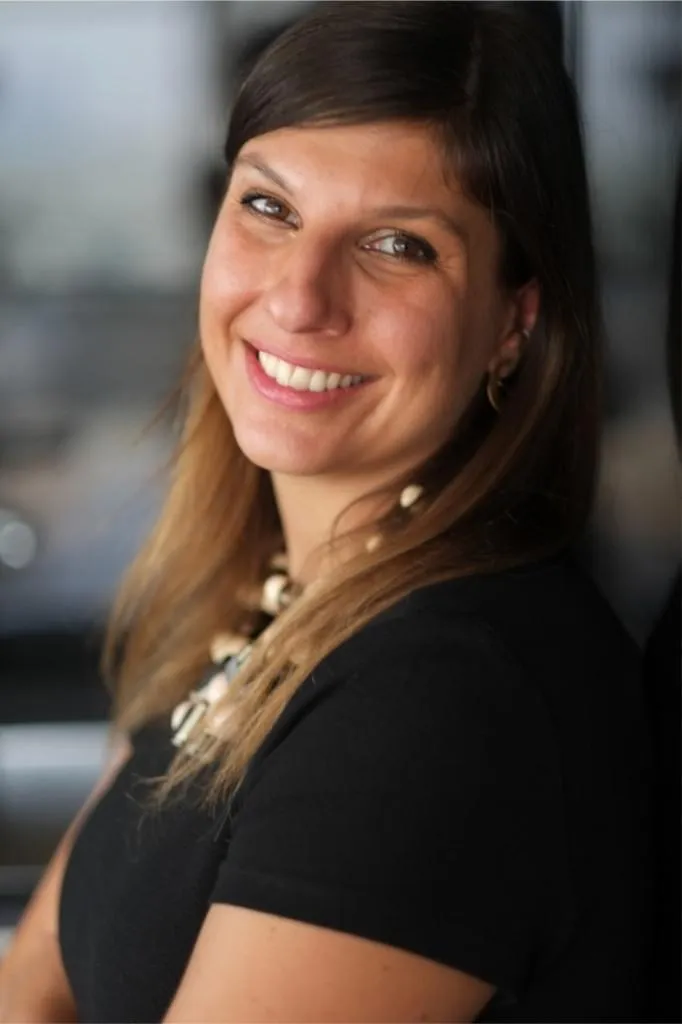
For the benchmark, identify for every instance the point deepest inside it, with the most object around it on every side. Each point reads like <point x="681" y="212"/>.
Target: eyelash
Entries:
<point x="248" y="200"/>
<point x="430" y="257"/>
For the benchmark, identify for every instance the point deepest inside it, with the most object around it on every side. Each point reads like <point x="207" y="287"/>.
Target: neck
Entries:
<point x="308" y="508"/>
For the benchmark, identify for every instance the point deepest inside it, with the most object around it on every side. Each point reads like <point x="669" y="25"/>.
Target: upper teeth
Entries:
<point x="290" y="376"/>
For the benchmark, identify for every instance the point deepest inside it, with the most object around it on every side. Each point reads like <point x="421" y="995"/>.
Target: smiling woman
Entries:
<point x="387" y="759"/>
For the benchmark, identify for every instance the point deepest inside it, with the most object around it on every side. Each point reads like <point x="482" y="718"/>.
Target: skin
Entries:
<point x="306" y="260"/>
<point x="251" y="968"/>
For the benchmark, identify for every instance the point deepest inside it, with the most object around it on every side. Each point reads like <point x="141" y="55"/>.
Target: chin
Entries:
<point x="273" y="453"/>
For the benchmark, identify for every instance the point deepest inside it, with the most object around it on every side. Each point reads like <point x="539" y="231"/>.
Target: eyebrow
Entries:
<point x="403" y="212"/>
<point x="422" y="212"/>
<point x="259" y="165"/>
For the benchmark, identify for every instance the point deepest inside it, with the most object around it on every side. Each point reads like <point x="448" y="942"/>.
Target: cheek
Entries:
<point x="431" y="351"/>
<point x="420" y="340"/>
<point x="228" y="281"/>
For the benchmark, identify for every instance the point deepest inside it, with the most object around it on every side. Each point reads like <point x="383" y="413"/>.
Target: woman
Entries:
<point x="414" y="784"/>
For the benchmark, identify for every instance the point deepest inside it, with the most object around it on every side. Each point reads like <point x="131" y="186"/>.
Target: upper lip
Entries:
<point x="308" y="364"/>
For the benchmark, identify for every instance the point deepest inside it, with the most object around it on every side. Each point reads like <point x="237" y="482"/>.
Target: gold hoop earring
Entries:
<point x="493" y="390"/>
<point x="496" y="385"/>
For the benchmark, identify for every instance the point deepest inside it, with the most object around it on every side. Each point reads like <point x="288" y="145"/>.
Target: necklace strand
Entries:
<point x="196" y="718"/>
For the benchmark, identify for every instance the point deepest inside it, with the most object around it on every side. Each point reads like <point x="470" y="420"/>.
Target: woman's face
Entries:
<point x="350" y="301"/>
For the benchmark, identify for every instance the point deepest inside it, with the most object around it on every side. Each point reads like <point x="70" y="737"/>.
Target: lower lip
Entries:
<point x="290" y="397"/>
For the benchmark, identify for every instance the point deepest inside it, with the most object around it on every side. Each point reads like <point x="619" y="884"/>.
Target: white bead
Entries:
<point x="179" y="713"/>
<point x="195" y="715"/>
<point x="411" y="493"/>
<point x="215" y="689"/>
<point x="271" y="598"/>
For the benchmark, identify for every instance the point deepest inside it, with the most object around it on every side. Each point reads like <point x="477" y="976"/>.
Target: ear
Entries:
<point x="521" y="317"/>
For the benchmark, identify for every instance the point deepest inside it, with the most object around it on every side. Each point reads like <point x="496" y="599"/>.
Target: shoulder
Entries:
<point x="432" y="674"/>
<point x="518" y="619"/>
<point x="529" y="616"/>
<point x="510" y="657"/>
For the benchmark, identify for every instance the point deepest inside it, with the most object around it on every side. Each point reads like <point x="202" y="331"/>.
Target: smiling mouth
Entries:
<point x="301" y="378"/>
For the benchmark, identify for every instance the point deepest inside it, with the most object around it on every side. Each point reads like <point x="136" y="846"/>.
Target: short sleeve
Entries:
<point x="414" y="800"/>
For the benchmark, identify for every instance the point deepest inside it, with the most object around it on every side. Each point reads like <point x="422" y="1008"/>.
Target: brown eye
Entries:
<point x="405" y="247"/>
<point x="267" y="206"/>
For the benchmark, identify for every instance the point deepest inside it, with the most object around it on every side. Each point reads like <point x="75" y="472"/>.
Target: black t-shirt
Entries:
<point x="467" y="778"/>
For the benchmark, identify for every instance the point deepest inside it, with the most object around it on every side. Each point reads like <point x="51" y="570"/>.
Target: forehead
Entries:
<point x="370" y="164"/>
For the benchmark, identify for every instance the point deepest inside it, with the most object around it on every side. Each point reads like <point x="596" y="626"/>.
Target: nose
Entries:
<point x="306" y="292"/>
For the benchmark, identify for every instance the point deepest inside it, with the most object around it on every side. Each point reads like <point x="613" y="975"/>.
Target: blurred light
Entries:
<point x="18" y="541"/>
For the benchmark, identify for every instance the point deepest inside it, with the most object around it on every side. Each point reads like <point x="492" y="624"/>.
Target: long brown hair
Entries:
<point x="506" y="489"/>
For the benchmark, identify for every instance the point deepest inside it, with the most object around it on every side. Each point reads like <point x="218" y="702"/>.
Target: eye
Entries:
<point x="401" y="246"/>
<point x="268" y="207"/>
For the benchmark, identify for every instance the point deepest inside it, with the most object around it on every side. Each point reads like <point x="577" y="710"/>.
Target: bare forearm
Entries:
<point x="33" y="987"/>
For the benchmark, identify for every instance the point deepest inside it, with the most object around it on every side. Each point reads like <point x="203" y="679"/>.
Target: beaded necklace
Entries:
<point x="195" y="719"/>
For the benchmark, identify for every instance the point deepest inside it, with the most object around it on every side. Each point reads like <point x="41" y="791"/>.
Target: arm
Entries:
<point x="282" y="970"/>
<point x="33" y="983"/>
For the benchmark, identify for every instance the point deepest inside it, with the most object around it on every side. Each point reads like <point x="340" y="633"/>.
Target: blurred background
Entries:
<point x="112" y="117"/>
